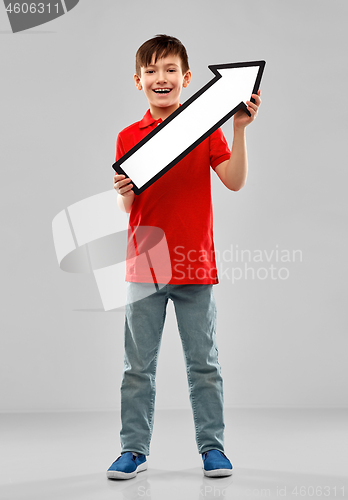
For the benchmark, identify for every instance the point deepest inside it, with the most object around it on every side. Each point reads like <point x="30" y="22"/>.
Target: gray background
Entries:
<point x="66" y="90"/>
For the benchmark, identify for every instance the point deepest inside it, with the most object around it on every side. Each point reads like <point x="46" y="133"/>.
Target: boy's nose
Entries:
<point x="161" y="77"/>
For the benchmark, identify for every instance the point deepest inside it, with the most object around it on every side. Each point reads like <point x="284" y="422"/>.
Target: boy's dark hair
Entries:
<point x="160" y="46"/>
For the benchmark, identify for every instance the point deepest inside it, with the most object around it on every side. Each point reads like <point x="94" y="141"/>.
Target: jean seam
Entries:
<point x="191" y="391"/>
<point x="153" y="375"/>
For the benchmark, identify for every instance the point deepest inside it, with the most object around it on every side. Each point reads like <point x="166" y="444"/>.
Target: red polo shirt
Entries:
<point x="179" y="203"/>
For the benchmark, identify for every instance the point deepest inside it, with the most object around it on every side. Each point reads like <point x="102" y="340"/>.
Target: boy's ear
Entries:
<point x="187" y="78"/>
<point x="137" y="82"/>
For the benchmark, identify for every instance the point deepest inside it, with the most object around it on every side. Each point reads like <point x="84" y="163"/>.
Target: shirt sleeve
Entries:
<point x="119" y="148"/>
<point x="218" y="148"/>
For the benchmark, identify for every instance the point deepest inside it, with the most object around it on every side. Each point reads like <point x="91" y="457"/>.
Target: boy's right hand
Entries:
<point x="122" y="185"/>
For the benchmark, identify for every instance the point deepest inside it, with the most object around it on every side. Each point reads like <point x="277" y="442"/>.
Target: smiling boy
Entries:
<point x="179" y="203"/>
<point x="162" y="82"/>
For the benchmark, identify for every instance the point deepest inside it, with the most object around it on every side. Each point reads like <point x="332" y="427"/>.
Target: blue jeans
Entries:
<point x="195" y="311"/>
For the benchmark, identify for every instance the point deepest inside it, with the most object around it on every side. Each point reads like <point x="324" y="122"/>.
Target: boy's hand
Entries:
<point x="122" y="186"/>
<point x="241" y="119"/>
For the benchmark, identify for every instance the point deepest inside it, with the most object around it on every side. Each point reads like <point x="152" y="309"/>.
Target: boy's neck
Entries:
<point x="162" y="113"/>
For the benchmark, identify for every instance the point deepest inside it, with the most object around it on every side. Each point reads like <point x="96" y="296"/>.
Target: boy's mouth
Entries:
<point x="162" y="91"/>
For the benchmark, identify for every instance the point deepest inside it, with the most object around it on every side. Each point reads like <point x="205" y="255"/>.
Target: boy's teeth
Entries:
<point x="162" y="91"/>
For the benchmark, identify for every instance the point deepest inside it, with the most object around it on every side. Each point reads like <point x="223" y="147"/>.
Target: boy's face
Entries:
<point x="162" y="82"/>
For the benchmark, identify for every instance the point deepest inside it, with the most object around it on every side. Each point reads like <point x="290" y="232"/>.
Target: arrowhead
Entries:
<point x="216" y="67"/>
<point x="243" y="77"/>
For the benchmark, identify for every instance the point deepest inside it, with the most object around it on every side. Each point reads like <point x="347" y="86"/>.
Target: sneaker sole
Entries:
<point x="115" y="474"/>
<point x="218" y="472"/>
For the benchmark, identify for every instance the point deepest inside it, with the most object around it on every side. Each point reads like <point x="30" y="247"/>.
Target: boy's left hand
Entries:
<point x="241" y="119"/>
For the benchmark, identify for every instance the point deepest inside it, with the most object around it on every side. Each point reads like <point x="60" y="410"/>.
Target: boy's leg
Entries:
<point x="142" y="337"/>
<point x="196" y="316"/>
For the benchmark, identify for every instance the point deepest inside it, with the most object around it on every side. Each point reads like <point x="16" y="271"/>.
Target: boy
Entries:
<point x="179" y="203"/>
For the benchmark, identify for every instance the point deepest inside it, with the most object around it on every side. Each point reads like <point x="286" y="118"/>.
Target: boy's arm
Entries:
<point x="233" y="172"/>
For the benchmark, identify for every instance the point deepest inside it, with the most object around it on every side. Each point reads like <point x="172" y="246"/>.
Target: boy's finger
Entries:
<point x="252" y="105"/>
<point x="125" y="189"/>
<point x="257" y="98"/>
<point x="122" y="185"/>
<point x="124" y="182"/>
<point x="118" y="177"/>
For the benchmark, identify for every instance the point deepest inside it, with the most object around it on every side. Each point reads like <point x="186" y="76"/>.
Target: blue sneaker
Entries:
<point x="127" y="466"/>
<point x="216" y="464"/>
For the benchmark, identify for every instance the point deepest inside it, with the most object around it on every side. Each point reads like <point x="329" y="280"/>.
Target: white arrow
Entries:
<point x="191" y="123"/>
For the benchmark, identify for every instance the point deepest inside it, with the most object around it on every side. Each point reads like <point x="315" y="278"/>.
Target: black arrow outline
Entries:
<point x="214" y="68"/>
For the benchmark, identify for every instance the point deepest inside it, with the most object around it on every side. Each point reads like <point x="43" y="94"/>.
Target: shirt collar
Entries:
<point x="148" y="120"/>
